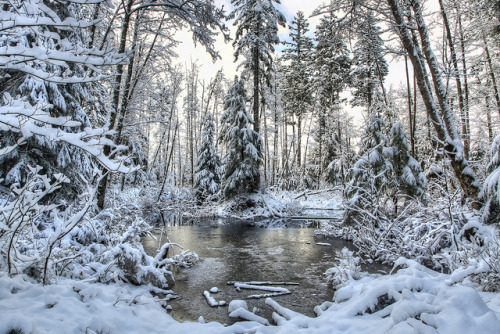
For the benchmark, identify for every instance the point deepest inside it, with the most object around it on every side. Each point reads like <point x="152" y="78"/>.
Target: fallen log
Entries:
<point x="268" y="295"/>
<point x="263" y="283"/>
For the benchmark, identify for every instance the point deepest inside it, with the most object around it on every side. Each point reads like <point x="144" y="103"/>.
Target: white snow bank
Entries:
<point x="413" y="300"/>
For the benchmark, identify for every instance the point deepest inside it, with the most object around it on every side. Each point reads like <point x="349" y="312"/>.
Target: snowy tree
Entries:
<point x="332" y="64"/>
<point x="298" y="93"/>
<point x="208" y="165"/>
<point x="492" y="185"/>
<point x="244" y="145"/>
<point x="256" y="35"/>
<point x="370" y="177"/>
<point x="407" y="176"/>
<point x="369" y="68"/>
<point x="47" y="68"/>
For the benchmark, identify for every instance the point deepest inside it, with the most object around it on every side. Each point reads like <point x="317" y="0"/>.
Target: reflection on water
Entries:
<point x="232" y="250"/>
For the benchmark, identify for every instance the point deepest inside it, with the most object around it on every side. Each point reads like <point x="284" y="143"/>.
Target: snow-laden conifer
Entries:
<point x="47" y="66"/>
<point x="492" y="185"/>
<point x="370" y="178"/>
<point x="244" y="145"/>
<point x="369" y="68"/>
<point x="407" y="176"/>
<point x="256" y="35"/>
<point x="298" y="83"/>
<point x="208" y="165"/>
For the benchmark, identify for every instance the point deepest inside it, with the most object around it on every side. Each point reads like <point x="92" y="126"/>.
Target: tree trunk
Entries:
<point x="492" y="73"/>
<point x="101" y="190"/>
<point x="256" y="88"/>
<point x="456" y="73"/>
<point x="446" y="132"/>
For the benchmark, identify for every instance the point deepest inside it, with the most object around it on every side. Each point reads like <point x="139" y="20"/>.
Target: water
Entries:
<point x="231" y="250"/>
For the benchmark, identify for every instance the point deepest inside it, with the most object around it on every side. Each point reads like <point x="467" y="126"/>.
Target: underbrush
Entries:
<point x="47" y="241"/>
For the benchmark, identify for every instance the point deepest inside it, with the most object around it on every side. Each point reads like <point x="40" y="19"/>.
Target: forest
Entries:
<point x="376" y="121"/>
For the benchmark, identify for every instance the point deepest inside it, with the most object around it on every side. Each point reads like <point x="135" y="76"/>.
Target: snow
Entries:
<point x="413" y="299"/>
<point x="236" y="304"/>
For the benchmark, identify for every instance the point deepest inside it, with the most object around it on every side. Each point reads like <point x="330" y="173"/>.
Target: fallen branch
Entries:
<point x="247" y="315"/>
<point x="307" y="193"/>
<point x="267" y="295"/>
<point x="260" y="287"/>
<point x="211" y="300"/>
<point x="263" y="283"/>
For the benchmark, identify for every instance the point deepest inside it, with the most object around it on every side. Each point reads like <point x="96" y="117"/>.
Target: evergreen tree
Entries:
<point x="492" y="185"/>
<point x="46" y="61"/>
<point x="298" y="84"/>
<point x="332" y="64"/>
<point x="407" y="176"/>
<point x="256" y="36"/>
<point x="208" y="165"/>
<point x="244" y="145"/>
<point x="370" y="177"/>
<point x="369" y="66"/>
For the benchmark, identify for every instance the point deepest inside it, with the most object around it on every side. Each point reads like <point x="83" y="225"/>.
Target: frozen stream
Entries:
<point x="232" y="250"/>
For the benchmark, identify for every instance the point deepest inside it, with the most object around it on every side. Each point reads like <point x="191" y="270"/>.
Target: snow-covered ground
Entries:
<point x="412" y="300"/>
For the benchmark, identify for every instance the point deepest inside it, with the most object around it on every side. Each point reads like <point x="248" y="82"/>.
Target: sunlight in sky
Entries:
<point x="188" y="52"/>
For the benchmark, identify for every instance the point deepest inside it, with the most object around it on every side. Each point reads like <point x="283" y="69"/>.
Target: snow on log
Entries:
<point x="260" y="287"/>
<point x="247" y="315"/>
<point x="323" y="244"/>
<point x="211" y="300"/>
<point x="267" y="295"/>
<point x="263" y="283"/>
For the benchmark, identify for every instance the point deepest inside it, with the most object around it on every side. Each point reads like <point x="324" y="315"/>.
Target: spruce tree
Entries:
<point x="244" y="145"/>
<point x="256" y="36"/>
<point x="369" y="68"/>
<point x="208" y="165"/>
<point x="298" y="93"/>
<point x="47" y="62"/>
<point x="332" y="64"/>
<point x="370" y="177"/>
<point x="407" y="176"/>
<point x="491" y="185"/>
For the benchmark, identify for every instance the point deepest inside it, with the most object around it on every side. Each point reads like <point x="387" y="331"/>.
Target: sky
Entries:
<point x="188" y="52"/>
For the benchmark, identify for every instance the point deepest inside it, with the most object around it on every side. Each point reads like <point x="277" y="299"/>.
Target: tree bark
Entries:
<point x="446" y="132"/>
<point x="456" y="74"/>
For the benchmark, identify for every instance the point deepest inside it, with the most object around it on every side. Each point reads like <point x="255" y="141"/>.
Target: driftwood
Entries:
<point x="262" y="283"/>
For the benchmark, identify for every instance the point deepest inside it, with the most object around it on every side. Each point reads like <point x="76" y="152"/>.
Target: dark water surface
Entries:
<point x="232" y="250"/>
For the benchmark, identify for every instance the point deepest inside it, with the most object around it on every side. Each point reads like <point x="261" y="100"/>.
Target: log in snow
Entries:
<point x="260" y="287"/>
<point x="247" y="315"/>
<point x="267" y="295"/>
<point x="211" y="300"/>
<point x="262" y="283"/>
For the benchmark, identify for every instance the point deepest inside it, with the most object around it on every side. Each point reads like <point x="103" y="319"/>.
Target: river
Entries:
<point x="234" y="250"/>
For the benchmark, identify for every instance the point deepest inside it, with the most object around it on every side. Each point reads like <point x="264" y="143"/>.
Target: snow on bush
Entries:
<point x="345" y="270"/>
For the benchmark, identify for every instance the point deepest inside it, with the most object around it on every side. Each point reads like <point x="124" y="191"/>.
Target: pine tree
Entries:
<point x="407" y="176"/>
<point x="370" y="177"/>
<point x="369" y="68"/>
<point x="244" y="145"/>
<point x="256" y="36"/>
<point x="332" y="64"/>
<point x="46" y="61"/>
<point x="208" y="165"/>
<point x="492" y="185"/>
<point x="298" y="93"/>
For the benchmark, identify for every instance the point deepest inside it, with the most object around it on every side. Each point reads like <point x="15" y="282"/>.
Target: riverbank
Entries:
<point x="413" y="299"/>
